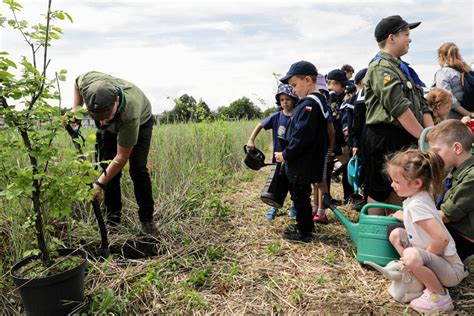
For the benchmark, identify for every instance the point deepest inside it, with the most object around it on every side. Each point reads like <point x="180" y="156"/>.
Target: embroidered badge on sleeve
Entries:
<point x="386" y="78"/>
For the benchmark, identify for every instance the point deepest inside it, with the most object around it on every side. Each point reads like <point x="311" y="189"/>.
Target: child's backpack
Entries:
<point x="467" y="82"/>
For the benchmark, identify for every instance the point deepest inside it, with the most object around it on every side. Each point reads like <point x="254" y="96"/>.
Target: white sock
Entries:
<point x="321" y="212"/>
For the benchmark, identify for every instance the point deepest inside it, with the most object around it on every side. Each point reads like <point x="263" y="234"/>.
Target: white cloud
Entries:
<point x="222" y="50"/>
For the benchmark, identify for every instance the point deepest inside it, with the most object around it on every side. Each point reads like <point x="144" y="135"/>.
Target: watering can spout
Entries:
<point x="352" y="228"/>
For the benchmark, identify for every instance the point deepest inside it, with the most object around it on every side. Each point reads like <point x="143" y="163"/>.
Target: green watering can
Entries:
<point x="369" y="235"/>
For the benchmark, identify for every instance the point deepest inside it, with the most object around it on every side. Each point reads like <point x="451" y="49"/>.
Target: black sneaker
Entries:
<point x="293" y="234"/>
<point x="149" y="228"/>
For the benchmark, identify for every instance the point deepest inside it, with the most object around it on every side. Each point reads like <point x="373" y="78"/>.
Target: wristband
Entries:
<point x="102" y="186"/>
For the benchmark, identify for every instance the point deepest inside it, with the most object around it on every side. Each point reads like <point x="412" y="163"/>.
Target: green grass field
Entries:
<point x="215" y="254"/>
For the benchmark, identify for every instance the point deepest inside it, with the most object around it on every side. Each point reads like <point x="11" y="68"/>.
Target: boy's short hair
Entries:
<point x="313" y="78"/>
<point x="451" y="131"/>
<point x="384" y="42"/>
<point x="347" y="68"/>
<point x="438" y="96"/>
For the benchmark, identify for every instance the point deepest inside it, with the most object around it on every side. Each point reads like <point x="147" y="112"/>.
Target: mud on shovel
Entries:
<point x="76" y="135"/>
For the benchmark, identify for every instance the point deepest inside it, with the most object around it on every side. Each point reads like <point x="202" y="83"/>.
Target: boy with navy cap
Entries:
<point x="396" y="109"/>
<point x="307" y="142"/>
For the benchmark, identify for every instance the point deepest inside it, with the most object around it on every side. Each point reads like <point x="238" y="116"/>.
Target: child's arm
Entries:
<point x="410" y="124"/>
<point x="332" y="139"/>
<point x="256" y="130"/>
<point x="439" y="237"/>
<point x="398" y="215"/>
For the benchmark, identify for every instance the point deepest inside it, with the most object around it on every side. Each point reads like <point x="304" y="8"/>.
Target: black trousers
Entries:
<point x="301" y="197"/>
<point x="107" y="150"/>
<point x="464" y="247"/>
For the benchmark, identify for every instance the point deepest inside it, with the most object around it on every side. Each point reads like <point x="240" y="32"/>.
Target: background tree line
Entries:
<point x="187" y="109"/>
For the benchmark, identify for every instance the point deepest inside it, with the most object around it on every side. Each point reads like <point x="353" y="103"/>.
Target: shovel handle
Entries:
<point x="104" y="242"/>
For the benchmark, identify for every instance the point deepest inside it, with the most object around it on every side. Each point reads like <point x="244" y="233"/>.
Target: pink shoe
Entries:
<point x="430" y="303"/>
<point x="320" y="219"/>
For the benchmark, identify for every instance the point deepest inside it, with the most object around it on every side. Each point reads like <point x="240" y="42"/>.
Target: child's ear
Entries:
<point x="418" y="183"/>
<point x="457" y="147"/>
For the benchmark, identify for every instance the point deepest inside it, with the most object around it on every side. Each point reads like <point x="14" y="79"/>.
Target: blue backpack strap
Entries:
<point x="467" y="82"/>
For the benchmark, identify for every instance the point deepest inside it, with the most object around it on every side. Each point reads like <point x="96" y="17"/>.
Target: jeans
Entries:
<point x="107" y="150"/>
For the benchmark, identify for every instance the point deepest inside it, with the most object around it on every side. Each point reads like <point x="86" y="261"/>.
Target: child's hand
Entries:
<point x="466" y="119"/>
<point x="250" y="145"/>
<point x="279" y="157"/>
<point x="398" y="215"/>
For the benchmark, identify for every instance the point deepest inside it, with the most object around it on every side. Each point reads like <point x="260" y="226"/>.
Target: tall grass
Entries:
<point x="188" y="164"/>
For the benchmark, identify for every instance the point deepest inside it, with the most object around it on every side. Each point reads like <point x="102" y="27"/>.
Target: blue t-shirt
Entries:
<point x="277" y="122"/>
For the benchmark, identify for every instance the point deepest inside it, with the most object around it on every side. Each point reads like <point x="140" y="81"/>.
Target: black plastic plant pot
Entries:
<point x="59" y="294"/>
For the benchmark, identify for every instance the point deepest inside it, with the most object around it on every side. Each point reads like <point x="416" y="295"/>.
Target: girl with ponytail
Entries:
<point x="450" y="76"/>
<point x="424" y="244"/>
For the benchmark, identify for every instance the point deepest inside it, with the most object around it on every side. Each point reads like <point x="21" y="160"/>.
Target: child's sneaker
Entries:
<point x="271" y="214"/>
<point x="320" y="219"/>
<point x="319" y="216"/>
<point x="430" y="303"/>
<point x="293" y="234"/>
<point x="292" y="212"/>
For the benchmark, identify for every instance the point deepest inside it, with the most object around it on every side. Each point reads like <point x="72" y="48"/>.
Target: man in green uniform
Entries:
<point x="124" y="120"/>
<point x="396" y="109"/>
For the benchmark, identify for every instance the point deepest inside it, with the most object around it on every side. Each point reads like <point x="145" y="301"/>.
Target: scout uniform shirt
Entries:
<point x="458" y="202"/>
<point x="134" y="110"/>
<point x="389" y="92"/>
<point x="307" y="138"/>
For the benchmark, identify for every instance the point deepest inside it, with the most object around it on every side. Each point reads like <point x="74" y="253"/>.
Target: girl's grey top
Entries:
<point x="450" y="79"/>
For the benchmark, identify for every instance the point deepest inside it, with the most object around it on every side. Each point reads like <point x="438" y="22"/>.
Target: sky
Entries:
<point x="222" y="50"/>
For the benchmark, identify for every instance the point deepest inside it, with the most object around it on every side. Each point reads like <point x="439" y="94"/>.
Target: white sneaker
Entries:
<point x="430" y="303"/>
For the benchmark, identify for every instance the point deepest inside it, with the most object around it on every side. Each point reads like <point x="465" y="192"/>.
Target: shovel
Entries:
<point x="75" y="134"/>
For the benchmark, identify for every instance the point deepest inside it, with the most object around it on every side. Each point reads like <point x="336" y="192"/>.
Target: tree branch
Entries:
<point x="45" y="58"/>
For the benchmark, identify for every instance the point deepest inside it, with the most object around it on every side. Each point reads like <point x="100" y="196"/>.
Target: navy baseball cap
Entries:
<point x="391" y="25"/>
<point x="360" y="75"/>
<point x="339" y="76"/>
<point x="300" y="68"/>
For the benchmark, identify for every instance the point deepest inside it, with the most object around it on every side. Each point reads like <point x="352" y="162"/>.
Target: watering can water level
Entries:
<point x="369" y="235"/>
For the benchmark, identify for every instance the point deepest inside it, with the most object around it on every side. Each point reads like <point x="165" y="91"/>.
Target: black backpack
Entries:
<point x="467" y="82"/>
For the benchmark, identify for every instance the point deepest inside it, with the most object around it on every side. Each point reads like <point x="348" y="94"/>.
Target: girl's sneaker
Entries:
<point x="271" y="214"/>
<point x="430" y="303"/>
<point x="292" y="212"/>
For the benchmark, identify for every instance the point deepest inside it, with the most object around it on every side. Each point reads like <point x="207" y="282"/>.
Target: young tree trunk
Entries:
<point x="35" y="197"/>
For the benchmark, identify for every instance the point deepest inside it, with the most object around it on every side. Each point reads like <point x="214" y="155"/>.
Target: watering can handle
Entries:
<point x="245" y="149"/>
<point x="422" y="141"/>
<point x="380" y="205"/>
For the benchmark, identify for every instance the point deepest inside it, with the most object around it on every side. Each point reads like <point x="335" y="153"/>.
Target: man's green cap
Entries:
<point x="100" y="96"/>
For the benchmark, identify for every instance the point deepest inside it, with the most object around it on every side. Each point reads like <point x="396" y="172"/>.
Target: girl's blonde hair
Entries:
<point x="438" y="96"/>
<point x="414" y="164"/>
<point x="450" y="52"/>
